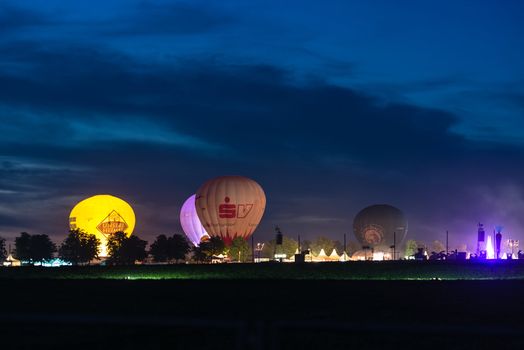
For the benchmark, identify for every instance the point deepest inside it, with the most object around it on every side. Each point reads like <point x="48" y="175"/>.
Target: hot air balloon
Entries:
<point x="190" y="222"/>
<point x="102" y="216"/>
<point x="230" y="206"/>
<point x="376" y="225"/>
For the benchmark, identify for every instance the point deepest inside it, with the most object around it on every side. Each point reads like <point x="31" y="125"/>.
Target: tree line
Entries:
<point x="81" y="248"/>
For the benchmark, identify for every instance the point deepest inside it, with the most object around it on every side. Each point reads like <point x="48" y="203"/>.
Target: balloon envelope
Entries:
<point x="102" y="216"/>
<point x="190" y="222"/>
<point x="230" y="206"/>
<point x="376" y="226"/>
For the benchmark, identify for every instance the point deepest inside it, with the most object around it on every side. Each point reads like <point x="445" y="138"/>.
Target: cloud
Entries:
<point x="15" y="18"/>
<point x="97" y="121"/>
<point x="243" y="106"/>
<point x="149" y="18"/>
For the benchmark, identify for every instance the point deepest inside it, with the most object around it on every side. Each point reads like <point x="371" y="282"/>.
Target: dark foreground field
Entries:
<point x="287" y="311"/>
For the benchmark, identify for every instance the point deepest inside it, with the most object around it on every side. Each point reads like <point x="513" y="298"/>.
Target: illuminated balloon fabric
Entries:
<point x="103" y="215"/>
<point x="190" y="222"/>
<point x="375" y="226"/>
<point x="230" y="206"/>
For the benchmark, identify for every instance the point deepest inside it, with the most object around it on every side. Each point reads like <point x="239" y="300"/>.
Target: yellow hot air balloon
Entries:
<point x="102" y="216"/>
<point x="230" y="206"/>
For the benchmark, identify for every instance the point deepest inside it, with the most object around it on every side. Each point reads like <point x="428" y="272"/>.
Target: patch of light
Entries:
<point x="378" y="256"/>
<point x="490" y="252"/>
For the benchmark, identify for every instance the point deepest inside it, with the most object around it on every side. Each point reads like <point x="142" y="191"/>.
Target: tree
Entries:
<point x="289" y="247"/>
<point x="306" y="244"/>
<point x="411" y="247"/>
<point x="79" y="247"/>
<point x="42" y="248"/>
<point x="33" y="248"/>
<point x="239" y="250"/>
<point x="352" y="247"/>
<point x="437" y="247"/>
<point x="125" y="250"/>
<point x="214" y="246"/>
<point x="338" y="246"/>
<point x="207" y="249"/>
<point x="322" y="242"/>
<point x="178" y="247"/>
<point x="3" y="252"/>
<point x="160" y="249"/>
<point x="200" y="255"/>
<point x="23" y="247"/>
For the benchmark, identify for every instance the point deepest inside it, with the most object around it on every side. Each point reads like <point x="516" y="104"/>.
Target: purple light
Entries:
<point x="190" y="222"/>
<point x="490" y="252"/>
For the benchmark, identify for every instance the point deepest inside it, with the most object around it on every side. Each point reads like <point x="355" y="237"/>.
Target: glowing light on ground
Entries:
<point x="378" y="256"/>
<point x="490" y="251"/>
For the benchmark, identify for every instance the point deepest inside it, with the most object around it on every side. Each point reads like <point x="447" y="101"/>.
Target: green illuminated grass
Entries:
<point x="398" y="270"/>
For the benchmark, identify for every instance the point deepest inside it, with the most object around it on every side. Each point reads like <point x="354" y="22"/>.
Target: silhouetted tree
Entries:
<point x="160" y="249"/>
<point x="33" y="248"/>
<point x="125" y="250"/>
<point x="42" y="248"/>
<point x="207" y="249"/>
<point x="289" y="247"/>
<point x="200" y="255"/>
<point x="170" y="248"/>
<point x="214" y="245"/>
<point x="23" y="247"/>
<point x="3" y="252"/>
<point x="178" y="247"/>
<point x="79" y="247"/>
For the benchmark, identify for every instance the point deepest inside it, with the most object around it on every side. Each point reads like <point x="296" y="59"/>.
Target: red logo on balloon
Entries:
<point x="230" y="211"/>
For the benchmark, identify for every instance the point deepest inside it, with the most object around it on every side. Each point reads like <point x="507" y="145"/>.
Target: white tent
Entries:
<point x="334" y="256"/>
<point x="344" y="257"/>
<point x="322" y="256"/>
<point x="10" y="261"/>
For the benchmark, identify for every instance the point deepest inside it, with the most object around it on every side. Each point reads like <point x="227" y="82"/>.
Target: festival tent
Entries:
<point x="322" y="256"/>
<point x="334" y="256"/>
<point x="10" y="261"/>
<point x="344" y="257"/>
<point x="361" y="255"/>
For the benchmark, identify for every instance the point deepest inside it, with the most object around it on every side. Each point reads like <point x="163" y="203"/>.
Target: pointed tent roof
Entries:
<point x="344" y="257"/>
<point x="11" y="259"/>
<point x="334" y="255"/>
<point x="322" y="254"/>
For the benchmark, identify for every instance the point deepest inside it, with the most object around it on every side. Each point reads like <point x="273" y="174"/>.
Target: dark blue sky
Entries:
<point x="330" y="106"/>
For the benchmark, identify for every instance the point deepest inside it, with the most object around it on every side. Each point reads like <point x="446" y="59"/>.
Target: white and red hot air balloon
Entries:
<point x="230" y="207"/>
<point x="191" y="223"/>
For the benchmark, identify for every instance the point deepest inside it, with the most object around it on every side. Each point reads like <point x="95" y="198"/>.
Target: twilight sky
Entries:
<point x="330" y="105"/>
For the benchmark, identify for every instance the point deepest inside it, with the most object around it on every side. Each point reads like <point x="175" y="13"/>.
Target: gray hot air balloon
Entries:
<point x="375" y="226"/>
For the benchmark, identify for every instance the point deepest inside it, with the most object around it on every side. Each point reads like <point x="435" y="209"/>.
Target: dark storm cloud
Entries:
<point x="242" y="106"/>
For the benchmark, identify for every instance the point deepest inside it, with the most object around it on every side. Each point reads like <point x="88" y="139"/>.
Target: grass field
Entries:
<point x="387" y="270"/>
<point x="358" y="305"/>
